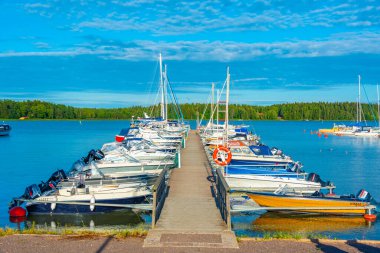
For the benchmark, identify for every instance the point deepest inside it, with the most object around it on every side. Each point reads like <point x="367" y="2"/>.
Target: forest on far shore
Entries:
<point x="36" y="109"/>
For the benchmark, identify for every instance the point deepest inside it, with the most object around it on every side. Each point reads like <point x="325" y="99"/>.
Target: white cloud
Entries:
<point x="223" y="51"/>
<point x="166" y="17"/>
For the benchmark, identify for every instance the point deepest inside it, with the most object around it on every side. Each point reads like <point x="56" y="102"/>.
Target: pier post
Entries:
<point x="179" y="158"/>
<point x="154" y="209"/>
<point x="228" y="206"/>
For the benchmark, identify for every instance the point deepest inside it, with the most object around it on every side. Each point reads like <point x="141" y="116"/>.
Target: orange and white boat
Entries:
<point x="315" y="204"/>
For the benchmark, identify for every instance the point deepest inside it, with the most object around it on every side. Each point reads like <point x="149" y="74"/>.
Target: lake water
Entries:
<point x="35" y="149"/>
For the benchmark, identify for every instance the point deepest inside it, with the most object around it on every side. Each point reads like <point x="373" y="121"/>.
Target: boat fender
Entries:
<point x="219" y="156"/>
<point x="17" y="211"/>
<point x="92" y="201"/>
<point x="53" y="205"/>
<point x="370" y="217"/>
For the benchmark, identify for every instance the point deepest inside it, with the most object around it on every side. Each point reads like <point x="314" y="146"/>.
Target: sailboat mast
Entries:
<point x="166" y="93"/>
<point x="359" y="103"/>
<point x="212" y="105"/>
<point x="162" y="90"/>
<point x="227" y="102"/>
<point x="217" y="109"/>
<point x="378" y="104"/>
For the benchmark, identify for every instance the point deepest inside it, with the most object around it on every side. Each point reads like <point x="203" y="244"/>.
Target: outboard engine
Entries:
<point x="53" y="181"/>
<point x="295" y="167"/>
<point x="93" y="155"/>
<point x="99" y="155"/>
<point x="314" y="177"/>
<point x="57" y="176"/>
<point x="77" y="166"/>
<point x="32" y="192"/>
<point x="276" y="151"/>
<point x="364" y="196"/>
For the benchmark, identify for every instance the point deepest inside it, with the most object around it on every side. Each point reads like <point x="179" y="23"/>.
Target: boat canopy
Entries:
<point x="261" y="150"/>
<point x="127" y="131"/>
<point x="241" y="130"/>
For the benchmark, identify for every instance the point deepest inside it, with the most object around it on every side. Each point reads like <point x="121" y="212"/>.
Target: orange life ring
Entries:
<point x="222" y="160"/>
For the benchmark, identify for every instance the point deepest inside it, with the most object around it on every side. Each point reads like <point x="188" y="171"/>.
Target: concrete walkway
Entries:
<point x="190" y="216"/>
<point x="60" y="244"/>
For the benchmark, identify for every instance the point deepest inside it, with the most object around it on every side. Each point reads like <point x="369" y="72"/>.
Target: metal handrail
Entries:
<point x="159" y="190"/>
<point x="222" y="197"/>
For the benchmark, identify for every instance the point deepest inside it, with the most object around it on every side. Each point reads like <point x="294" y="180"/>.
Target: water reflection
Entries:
<point x="307" y="223"/>
<point x="117" y="219"/>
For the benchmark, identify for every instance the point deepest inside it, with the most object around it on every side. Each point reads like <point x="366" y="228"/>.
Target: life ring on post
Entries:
<point x="222" y="156"/>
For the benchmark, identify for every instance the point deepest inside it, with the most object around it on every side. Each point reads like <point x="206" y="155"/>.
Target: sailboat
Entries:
<point x="369" y="131"/>
<point x="360" y="128"/>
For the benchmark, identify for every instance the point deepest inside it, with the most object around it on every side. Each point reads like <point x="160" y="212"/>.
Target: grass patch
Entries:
<point x="293" y="235"/>
<point x="68" y="231"/>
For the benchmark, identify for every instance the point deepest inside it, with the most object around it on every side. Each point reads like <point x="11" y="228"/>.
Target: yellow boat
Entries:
<point x="343" y="204"/>
<point x="328" y="130"/>
<point x="308" y="223"/>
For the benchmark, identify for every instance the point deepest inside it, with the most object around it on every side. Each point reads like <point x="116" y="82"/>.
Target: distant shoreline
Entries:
<point x="314" y="111"/>
<point x="274" y="120"/>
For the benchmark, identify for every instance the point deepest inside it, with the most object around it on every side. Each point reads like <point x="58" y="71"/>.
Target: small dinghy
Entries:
<point x="5" y="129"/>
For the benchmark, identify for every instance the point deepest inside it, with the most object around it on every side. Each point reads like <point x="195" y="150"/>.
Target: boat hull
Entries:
<point x="42" y="208"/>
<point x="270" y="200"/>
<point x="108" y="169"/>
<point x="270" y="184"/>
<point x="259" y="161"/>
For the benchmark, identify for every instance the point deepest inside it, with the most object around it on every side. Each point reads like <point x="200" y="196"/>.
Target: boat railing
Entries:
<point x="160" y="192"/>
<point x="222" y="197"/>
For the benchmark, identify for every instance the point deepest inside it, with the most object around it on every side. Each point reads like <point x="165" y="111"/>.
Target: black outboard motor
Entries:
<point x="98" y="155"/>
<point x="93" y="155"/>
<point x="364" y="196"/>
<point x="314" y="177"/>
<point x="295" y="167"/>
<point x="33" y="191"/>
<point x="77" y="166"/>
<point x="53" y="181"/>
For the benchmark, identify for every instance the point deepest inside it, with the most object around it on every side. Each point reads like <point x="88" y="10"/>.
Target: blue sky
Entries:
<point x="104" y="53"/>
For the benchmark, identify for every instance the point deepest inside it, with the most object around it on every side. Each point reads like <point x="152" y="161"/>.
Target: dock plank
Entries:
<point x="190" y="208"/>
<point x="190" y="205"/>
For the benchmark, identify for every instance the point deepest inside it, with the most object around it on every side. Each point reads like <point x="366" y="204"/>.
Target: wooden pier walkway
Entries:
<point x="190" y="217"/>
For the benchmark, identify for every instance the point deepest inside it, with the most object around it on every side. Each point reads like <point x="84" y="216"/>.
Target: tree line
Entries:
<point x="36" y="109"/>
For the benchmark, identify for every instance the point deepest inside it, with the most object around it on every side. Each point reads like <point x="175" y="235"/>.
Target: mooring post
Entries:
<point x="228" y="206"/>
<point x="179" y="158"/>
<point x="154" y="208"/>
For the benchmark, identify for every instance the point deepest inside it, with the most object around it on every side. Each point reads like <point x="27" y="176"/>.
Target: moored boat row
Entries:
<point x="269" y="177"/>
<point x="118" y="175"/>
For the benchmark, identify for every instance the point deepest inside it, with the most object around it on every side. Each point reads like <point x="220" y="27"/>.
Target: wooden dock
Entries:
<point x="190" y="217"/>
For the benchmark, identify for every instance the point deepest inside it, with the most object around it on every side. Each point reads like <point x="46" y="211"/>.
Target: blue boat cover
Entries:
<point x="261" y="150"/>
<point x="124" y="132"/>
<point x="241" y="130"/>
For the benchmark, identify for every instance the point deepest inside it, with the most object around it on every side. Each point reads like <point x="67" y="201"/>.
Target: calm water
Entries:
<point x="36" y="148"/>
